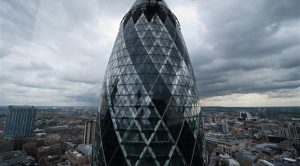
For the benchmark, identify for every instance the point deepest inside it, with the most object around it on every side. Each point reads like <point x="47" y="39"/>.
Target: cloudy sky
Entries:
<point x="244" y="53"/>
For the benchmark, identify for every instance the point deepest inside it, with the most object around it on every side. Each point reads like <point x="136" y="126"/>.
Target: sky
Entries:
<point x="244" y="53"/>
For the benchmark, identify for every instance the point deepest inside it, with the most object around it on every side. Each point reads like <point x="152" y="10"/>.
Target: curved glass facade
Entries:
<point x="148" y="113"/>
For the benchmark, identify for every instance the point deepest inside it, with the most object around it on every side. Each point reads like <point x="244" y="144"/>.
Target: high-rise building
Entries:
<point x="19" y="122"/>
<point x="223" y="127"/>
<point x="148" y="113"/>
<point x="245" y="116"/>
<point x="89" y="132"/>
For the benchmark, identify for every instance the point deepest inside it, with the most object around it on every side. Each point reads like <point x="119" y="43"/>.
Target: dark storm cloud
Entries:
<point x="254" y="47"/>
<point x="238" y="29"/>
<point x="220" y="83"/>
<point x="243" y="87"/>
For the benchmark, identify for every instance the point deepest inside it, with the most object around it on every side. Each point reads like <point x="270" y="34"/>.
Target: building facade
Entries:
<point x="148" y="113"/>
<point x="245" y="157"/>
<point x="261" y="162"/>
<point x="19" y="122"/>
<point x="89" y="132"/>
<point x="223" y="127"/>
<point x="16" y="158"/>
<point x="76" y="158"/>
<point x="6" y="145"/>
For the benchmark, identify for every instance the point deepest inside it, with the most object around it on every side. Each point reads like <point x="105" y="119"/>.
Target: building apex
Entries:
<point x="159" y="2"/>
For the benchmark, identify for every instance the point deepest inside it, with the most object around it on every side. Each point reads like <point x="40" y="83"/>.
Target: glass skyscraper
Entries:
<point x="19" y="122"/>
<point x="148" y="113"/>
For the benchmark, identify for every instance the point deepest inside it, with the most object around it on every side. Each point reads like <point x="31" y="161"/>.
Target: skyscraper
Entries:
<point x="89" y="132"/>
<point x="148" y="113"/>
<point x="19" y="122"/>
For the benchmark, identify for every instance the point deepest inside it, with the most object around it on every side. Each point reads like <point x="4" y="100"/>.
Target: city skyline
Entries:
<point x="55" y="53"/>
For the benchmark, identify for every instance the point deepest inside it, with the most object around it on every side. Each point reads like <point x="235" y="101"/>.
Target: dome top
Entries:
<point x="149" y="8"/>
<point x="142" y="2"/>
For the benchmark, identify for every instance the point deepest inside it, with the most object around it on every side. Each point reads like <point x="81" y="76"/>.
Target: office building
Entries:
<point x="51" y="160"/>
<point x="30" y="148"/>
<point x="16" y="158"/>
<point x="261" y="162"/>
<point x="89" y="132"/>
<point x="86" y="150"/>
<point x="245" y="116"/>
<point x="148" y="113"/>
<point x="282" y="161"/>
<point x="228" y="160"/>
<point x="223" y="127"/>
<point x="245" y="157"/>
<point x="20" y="122"/>
<point x="45" y="151"/>
<point x="64" y="163"/>
<point x="76" y="158"/>
<point x="227" y="146"/>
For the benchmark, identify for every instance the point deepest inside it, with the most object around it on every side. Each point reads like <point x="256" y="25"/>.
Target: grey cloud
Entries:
<point x="17" y="23"/>
<point x="18" y="18"/>
<point x="254" y="47"/>
<point x="33" y="66"/>
<point x="259" y="81"/>
<point x="39" y="85"/>
<point x="87" y="80"/>
<point x="285" y="93"/>
<point x="42" y="40"/>
<point x="53" y="47"/>
<point x="244" y="30"/>
<point x="291" y="59"/>
<point x="88" y="98"/>
<point x="293" y="75"/>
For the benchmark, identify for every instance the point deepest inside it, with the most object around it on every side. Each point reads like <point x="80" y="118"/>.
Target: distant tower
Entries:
<point x="20" y="122"/>
<point x="89" y="132"/>
<point x="223" y="127"/>
<point x="148" y="114"/>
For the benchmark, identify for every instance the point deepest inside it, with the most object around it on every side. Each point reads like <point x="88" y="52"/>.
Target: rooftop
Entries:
<point x="140" y="2"/>
<point x="223" y="140"/>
